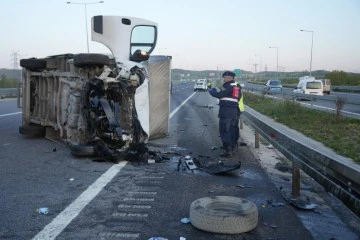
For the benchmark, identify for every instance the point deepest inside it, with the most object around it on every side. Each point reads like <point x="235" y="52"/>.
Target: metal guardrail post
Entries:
<point x="257" y="139"/>
<point x="295" y="188"/>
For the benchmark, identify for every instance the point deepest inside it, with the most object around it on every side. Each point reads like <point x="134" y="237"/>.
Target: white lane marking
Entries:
<point x="9" y="114"/>
<point x="58" y="224"/>
<point x="178" y="108"/>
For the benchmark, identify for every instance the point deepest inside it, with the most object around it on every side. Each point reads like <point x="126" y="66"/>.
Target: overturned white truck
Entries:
<point x="98" y="104"/>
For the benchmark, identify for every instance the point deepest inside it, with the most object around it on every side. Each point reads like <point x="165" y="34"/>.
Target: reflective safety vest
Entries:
<point x="241" y="100"/>
<point x="241" y="103"/>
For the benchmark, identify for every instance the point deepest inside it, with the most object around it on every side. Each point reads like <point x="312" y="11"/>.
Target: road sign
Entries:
<point x="237" y="71"/>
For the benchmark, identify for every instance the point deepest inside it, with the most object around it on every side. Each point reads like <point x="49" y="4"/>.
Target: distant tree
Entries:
<point x="338" y="77"/>
<point x="7" y="82"/>
<point x="3" y="77"/>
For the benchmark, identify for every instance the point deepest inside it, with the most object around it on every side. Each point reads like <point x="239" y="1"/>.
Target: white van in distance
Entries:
<point x="309" y="85"/>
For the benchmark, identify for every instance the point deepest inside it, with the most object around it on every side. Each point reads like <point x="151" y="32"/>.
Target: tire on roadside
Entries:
<point x="33" y="64"/>
<point x="224" y="214"/>
<point x="91" y="59"/>
<point x="34" y="131"/>
<point x="82" y="150"/>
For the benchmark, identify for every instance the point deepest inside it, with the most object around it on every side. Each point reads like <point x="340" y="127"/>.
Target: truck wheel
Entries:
<point x="82" y="150"/>
<point x="224" y="214"/>
<point x="83" y="60"/>
<point x="35" y="131"/>
<point x="33" y="63"/>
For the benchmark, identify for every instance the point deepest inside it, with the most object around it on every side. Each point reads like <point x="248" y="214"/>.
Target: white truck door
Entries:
<point x="118" y="34"/>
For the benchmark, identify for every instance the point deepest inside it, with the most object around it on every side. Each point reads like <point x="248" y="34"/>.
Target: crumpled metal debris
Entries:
<point x="208" y="106"/>
<point x="303" y="203"/>
<point x="220" y="167"/>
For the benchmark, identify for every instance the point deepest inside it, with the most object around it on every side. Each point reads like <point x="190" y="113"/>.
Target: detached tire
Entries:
<point x="33" y="64"/>
<point x="224" y="214"/>
<point x="82" y="151"/>
<point x="35" y="131"/>
<point x="84" y="60"/>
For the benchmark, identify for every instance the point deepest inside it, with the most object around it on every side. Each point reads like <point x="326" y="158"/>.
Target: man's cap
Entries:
<point x="228" y="73"/>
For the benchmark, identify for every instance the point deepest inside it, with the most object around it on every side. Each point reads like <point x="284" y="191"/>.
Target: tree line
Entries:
<point x="6" y="82"/>
<point x="343" y="78"/>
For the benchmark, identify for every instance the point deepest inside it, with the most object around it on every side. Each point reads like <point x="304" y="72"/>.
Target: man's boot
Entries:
<point x="227" y="152"/>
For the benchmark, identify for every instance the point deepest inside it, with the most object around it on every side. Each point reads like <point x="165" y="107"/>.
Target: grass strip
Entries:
<point x="342" y="134"/>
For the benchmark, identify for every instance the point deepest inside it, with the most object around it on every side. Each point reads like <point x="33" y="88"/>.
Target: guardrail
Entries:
<point x="347" y="88"/>
<point x="337" y="174"/>
<point x="291" y="95"/>
<point x="8" y="92"/>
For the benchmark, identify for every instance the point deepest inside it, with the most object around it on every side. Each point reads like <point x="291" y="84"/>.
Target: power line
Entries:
<point x="15" y="60"/>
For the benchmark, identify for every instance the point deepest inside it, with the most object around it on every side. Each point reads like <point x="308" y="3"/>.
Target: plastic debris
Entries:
<point x="151" y="160"/>
<point x="182" y="238"/>
<point x="43" y="211"/>
<point x="214" y="148"/>
<point x="277" y="204"/>
<point x="185" y="220"/>
<point x="157" y="238"/>
<point x="270" y="225"/>
<point x="71" y="179"/>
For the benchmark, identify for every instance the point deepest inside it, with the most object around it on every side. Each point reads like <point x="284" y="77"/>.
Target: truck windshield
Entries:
<point x="313" y="85"/>
<point x="275" y="82"/>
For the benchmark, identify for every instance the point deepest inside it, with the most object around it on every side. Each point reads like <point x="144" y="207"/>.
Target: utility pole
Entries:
<point x="86" y="25"/>
<point x="14" y="57"/>
<point x="277" y="61"/>
<point x="312" y="42"/>
<point x="265" y="70"/>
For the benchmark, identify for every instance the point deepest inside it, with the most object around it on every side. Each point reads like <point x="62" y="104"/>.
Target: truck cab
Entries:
<point x="97" y="104"/>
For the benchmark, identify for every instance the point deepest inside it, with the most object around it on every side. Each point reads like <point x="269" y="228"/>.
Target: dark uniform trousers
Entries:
<point x="228" y="135"/>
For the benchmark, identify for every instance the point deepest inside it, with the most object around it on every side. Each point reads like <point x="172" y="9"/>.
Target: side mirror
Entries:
<point x="139" y="56"/>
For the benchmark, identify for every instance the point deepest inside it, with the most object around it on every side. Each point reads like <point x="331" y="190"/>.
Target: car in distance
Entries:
<point x="272" y="86"/>
<point x="200" y="84"/>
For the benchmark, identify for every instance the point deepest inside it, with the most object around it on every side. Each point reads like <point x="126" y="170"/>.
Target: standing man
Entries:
<point x="228" y="112"/>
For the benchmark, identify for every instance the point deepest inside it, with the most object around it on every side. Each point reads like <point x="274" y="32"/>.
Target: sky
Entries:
<point x="198" y="34"/>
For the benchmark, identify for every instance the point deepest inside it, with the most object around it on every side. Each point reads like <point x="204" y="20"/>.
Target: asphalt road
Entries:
<point x="88" y="199"/>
